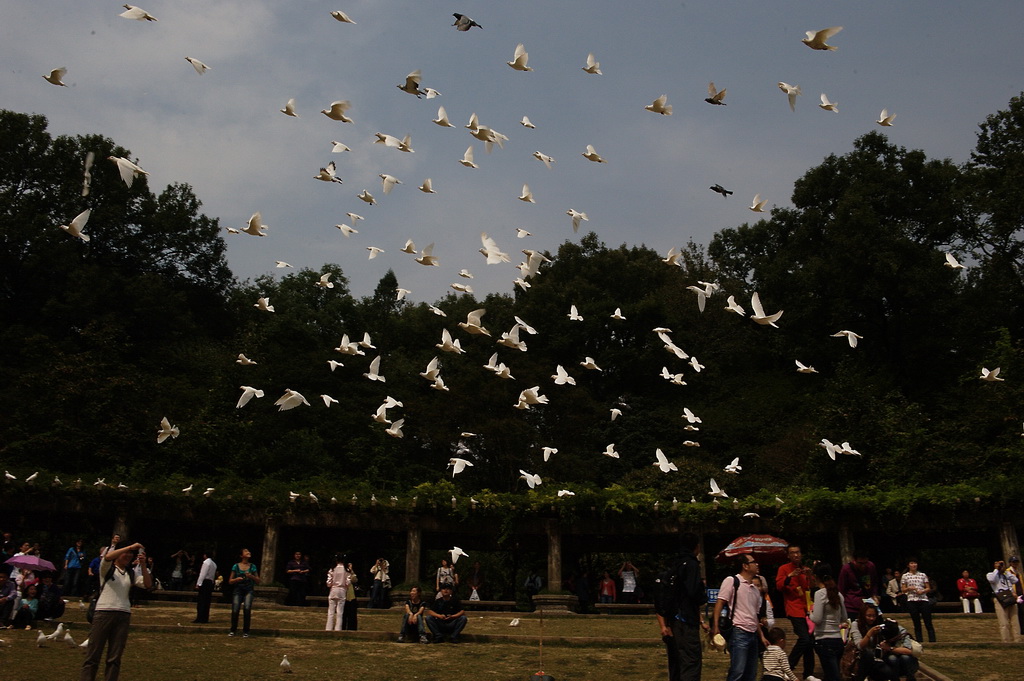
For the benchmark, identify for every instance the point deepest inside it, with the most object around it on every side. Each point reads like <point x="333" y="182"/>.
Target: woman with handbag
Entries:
<point x="113" y="611"/>
<point x="1002" y="581"/>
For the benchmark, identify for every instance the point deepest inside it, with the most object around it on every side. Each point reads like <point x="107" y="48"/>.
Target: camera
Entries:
<point x="879" y="653"/>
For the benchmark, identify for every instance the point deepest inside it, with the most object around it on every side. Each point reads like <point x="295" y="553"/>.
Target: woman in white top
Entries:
<point x="337" y="582"/>
<point x="113" y="610"/>
<point x="916" y="586"/>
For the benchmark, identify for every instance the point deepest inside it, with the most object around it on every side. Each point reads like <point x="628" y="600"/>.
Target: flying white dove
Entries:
<point x="342" y="17"/>
<point x="577" y="217"/>
<point x="562" y="377"/>
<point x="128" y="170"/>
<point x="442" y="118"/>
<point x="412" y="84"/>
<point x="337" y="110"/>
<point x="885" y="119"/>
<point x="759" y="316"/>
<point x="792" y="92"/>
<point x="166" y="430"/>
<point x="457" y="553"/>
<point x="734" y="467"/>
<point x="715" y="96"/>
<point x="188" y="490"/>
<point x="373" y="373"/>
<point x="849" y="335"/>
<point x="589" y="363"/>
<point x="548" y="451"/>
<point x="527" y="197"/>
<point x="690" y="416"/>
<point x="804" y="369"/>
<point x="519" y="59"/>
<point x="290" y="400"/>
<point x="990" y="376"/>
<point x="328" y="400"/>
<point x="490" y="250"/>
<point x="263" y="304"/>
<point x="531" y="479"/>
<point x="830" y="448"/>
<point x="325" y="281"/>
<point x="374" y="252"/>
<point x="464" y="23"/>
<point x="467" y="158"/>
<point x="733" y="306"/>
<point x="593" y="66"/>
<point x="248" y="393"/>
<point x="566" y="493"/>
<point x="757" y="205"/>
<point x="526" y="123"/>
<point x="289" y="108"/>
<point x="591" y="155"/>
<point x="458" y="465"/>
<point x="544" y="158"/>
<point x="816" y="39"/>
<point x="396" y="429"/>
<point x="827" y="105"/>
<point x="662" y="462"/>
<point x="716" y="491"/>
<point x="952" y="262"/>
<point x="55" y="76"/>
<point x="531" y="396"/>
<point x="136" y="13"/>
<point x="199" y="66"/>
<point x="209" y="491"/>
<point x="659" y="106"/>
<point x="448" y="345"/>
<point x="427" y="187"/>
<point x="473" y="323"/>
<point x="388" y="182"/>
<point x="610" y="451"/>
<point x="328" y="174"/>
<point x="78" y="224"/>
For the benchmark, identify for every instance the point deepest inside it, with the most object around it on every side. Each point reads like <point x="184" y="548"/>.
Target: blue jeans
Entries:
<point x="236" y="603"/>
<point x="830" y="652"/>
<point x="420" y="626"/>
<point x="743" y="656"/>
<point x="450" y="628"/>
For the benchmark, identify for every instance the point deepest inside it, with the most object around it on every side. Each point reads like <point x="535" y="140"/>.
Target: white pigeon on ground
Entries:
<point x="56" y="75"/>
<point x="816" y="39"/>
<point x="991" y="376"/>
<point x="662" y="462"/>
<point x="514" y="622"/>
<point x="166" y="430"/>
<point x="188" y="490"/>
<point x="41" y="639"/>
<point x="57" y="633"/>
<point x="69" y="639"/>
<point x="850" y="336"/>
<point x="759" y="316"/>
<point x="286" y="666"/>
<point x="248" y="393"/>
<point x="792" y="92"/>
<point x="75" y="227"/>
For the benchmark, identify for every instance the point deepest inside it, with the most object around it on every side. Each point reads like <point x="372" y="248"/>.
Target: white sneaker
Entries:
<point x="811" y="678"/>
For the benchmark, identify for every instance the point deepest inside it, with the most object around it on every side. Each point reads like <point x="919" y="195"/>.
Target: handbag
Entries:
<point x="1006" y="598"/>
<point x="850" y="661"/>
<point x="916" y="649"/>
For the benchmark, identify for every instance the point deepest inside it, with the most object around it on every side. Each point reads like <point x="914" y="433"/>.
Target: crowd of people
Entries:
<point x="838" y="620"/>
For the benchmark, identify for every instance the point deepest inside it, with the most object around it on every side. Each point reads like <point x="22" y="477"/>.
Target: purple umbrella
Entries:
<point x="30" y="562"/>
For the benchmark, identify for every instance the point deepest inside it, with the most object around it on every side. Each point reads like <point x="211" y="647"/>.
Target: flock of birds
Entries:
<point x="515" y="337"/>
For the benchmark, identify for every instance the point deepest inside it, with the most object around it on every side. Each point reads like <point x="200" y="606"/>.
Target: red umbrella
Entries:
<point x="764" y="547"/>
<point x="30" y="562"/>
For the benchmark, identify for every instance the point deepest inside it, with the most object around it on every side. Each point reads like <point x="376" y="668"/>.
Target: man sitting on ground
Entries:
<point x="445" y="616"/>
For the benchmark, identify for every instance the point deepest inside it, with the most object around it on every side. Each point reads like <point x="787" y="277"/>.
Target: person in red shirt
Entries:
<point x="793" y="582"/>
<point x="968" y="589"/>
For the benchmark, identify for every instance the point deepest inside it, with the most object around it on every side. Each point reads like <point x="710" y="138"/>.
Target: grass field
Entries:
<point x="164" y="645"/>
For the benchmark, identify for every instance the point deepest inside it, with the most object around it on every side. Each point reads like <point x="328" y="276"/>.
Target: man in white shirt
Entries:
<point x="743" y="593"/>
<point x="204" y="585"/>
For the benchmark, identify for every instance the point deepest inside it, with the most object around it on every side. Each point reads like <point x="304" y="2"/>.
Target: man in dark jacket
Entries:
<point x="678" y="608"/>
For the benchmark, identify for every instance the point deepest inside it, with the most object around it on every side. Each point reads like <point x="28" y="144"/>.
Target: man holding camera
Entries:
<point x="1005" y="579"/>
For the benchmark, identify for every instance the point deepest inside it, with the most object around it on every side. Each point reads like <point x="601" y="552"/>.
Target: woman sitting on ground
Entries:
<point x="413" y="627"/>
<point x="26" y="615"/>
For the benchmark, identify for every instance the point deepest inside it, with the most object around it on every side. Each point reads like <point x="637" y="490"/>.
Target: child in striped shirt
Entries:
<point x="776" y="664"/>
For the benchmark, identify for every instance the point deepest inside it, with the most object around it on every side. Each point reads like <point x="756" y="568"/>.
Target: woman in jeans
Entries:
<point x="830" y="618"/>
<point x="244" y="578"/>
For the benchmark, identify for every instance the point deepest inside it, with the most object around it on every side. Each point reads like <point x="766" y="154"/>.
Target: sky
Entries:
<point x="940" y="67"/>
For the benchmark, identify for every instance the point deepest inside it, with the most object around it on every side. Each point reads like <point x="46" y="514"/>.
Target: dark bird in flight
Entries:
<point x="719" y="189"/>
<point x="464" y="23"/>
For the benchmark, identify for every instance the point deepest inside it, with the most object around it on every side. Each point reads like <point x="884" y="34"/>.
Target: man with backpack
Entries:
<point x="743" y="594"/>
<point x="679" y="595"/>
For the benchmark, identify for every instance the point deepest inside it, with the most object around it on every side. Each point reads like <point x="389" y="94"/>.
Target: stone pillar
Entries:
<point x="413" y="549"/>
<point x="269" y="562"/>
<point x="1008" y="540"/>
<point x="554" y="533"/>
<point x="846" y="547"/>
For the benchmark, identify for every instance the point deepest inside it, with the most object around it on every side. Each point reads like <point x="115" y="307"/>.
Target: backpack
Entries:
<point x="669" y="596"/>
